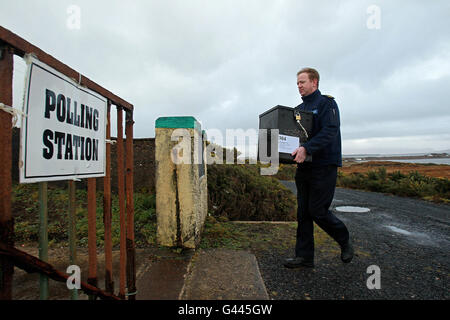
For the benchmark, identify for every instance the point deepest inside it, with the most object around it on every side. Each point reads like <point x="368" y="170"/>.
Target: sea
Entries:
<point x="362" y="158"/>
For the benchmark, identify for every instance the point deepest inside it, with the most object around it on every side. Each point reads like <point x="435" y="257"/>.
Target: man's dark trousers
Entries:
<point x="315" y="191"/>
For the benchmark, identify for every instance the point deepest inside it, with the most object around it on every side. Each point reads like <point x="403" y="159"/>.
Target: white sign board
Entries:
<point x="63" y="133"/>
<point x="287" y="144"/>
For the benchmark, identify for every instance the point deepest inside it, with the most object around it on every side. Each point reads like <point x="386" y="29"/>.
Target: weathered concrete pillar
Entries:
<point x="181" y="182"/>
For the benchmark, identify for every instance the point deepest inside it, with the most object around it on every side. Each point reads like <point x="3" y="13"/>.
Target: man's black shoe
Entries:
<point x="298" y="262"/>
<point x="347" y="252"/>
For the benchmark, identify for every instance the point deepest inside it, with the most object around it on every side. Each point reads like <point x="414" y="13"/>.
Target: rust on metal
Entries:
<point x="6" y="219"/>
<point x="92" y="230"/>
<point x="23" y="47"/>
<point x="107" y="213"/>
<point x="122" y="213"/>
<point x="72" y="230"/>
<point x="32" y="264"/>
<point x="43" y="236"/>
<point x="131" y="268"/>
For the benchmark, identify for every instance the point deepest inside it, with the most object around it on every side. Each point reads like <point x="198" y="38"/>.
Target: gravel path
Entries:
<point x="408" y="239"/>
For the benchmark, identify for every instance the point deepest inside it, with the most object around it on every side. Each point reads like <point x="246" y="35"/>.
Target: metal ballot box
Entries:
<point x="294" y="127"/>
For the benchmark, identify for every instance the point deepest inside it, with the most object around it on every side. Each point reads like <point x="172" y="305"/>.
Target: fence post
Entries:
<point x="6" y="220"/>
<point x="92" y="236"/>
<point x="131" y="268"/>
<point x="43" y="238"/>
<point x="107" y="214"/>
<point x="122" y="213"/>
<point x="72" y="231"/>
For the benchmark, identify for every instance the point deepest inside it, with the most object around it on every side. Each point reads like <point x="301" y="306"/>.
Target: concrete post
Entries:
<point x="181" y="181"/>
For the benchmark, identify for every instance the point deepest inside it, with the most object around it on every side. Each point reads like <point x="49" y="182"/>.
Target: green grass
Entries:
<point x="262" y="236"/>
<point x="236" y="192"/>
<point x="413" y="184"/>
<point x="240" y="192"/>
<point x="25" y="207"/>
<point x="231" y="235"/>
<point x="286" y="172"/>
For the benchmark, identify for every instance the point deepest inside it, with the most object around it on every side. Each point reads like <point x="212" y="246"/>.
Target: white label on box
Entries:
<point x="287" y="144"/>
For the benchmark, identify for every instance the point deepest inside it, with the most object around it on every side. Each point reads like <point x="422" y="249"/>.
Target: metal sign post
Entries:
<point x="72" y="231"/>
<point x="43" y="238"/>
<point x="6" y="221"/>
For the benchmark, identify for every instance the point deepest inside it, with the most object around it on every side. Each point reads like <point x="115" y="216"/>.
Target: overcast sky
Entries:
<point x="224" y="62"/>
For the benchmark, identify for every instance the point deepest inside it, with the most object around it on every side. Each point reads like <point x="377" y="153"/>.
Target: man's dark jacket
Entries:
<point x="324" y="143"/>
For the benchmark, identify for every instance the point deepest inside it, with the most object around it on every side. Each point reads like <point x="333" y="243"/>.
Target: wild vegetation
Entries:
<point x="412" y="184"/>
<point x="240" y="192"/>
<point x="235" y="192"/>
<point x="424" y="181"/>
<point x="25" y="207"/>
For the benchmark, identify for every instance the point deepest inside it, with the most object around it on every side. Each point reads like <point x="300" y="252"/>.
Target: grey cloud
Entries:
<point x="225" y="62"/>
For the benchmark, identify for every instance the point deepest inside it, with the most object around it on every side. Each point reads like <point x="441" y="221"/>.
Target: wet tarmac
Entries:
<point x="408" y="239"/>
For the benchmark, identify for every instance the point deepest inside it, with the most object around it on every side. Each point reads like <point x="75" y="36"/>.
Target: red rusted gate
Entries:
<point x="10" y="45"/>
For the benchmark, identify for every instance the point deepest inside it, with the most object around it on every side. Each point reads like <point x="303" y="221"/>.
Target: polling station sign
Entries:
<point x="63" y="132"/>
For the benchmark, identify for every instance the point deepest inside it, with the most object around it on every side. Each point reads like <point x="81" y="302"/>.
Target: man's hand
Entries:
<point x="300" y="154"/>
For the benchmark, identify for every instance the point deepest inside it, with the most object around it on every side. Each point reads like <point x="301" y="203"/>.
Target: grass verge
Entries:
<point x="25" y="208"/>
<point x="412" y="184"/>
<point x="422" y="181"/>
<point x="259" y="236"/>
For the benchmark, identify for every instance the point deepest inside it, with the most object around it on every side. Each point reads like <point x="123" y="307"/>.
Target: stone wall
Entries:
<point x="144" y="164"/>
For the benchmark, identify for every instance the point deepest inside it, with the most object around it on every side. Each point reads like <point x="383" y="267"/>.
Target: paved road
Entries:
<point x="408" y="239"/>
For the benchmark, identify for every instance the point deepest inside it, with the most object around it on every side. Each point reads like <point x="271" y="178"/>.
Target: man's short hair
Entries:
<point x="312" y="74"/>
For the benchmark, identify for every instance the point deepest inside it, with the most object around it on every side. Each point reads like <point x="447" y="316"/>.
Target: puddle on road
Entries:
<point x="352" y="209"/>
<point x="398" y="230"/>
<point x="418" y="237"/>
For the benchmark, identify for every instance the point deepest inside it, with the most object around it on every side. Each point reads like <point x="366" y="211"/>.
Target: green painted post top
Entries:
<point x="178" y="122"/>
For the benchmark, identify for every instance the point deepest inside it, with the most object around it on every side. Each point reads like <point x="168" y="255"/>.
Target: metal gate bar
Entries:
<point x="131" y="268"/>
<point x="121" y="188"/>
<point x="107" y="214"/>
<point x="6" y="220"/>
<point x="92" y="232"/>
<point x="32" y="264"/>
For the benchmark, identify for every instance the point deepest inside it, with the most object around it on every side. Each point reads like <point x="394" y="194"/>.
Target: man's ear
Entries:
<point x="316" y="83"/>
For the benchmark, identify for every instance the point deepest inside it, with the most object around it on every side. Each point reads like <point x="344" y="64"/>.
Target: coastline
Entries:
<point x="395" y="157"/>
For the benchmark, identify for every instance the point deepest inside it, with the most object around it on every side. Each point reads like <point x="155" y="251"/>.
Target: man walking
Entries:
<point x="316" y="179"/>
